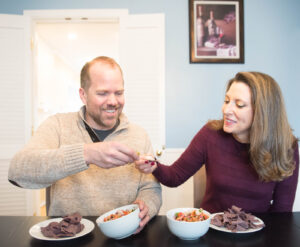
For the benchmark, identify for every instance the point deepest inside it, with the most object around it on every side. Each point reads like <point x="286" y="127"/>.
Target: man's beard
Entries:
<point x="97" y="119"/>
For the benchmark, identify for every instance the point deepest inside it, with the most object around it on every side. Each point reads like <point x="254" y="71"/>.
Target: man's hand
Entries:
<point x="109" y="154"/>
<point x="143" y="215"/>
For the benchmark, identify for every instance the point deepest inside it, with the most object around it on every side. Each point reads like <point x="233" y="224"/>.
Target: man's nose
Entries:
<point x="112" y="100"/>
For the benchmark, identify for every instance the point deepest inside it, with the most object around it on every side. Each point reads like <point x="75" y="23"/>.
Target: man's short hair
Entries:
<point x="84" y="74"/>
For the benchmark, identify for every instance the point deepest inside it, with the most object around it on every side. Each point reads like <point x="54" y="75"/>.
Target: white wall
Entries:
<point x="57" y="84"/>
<point x="181" y="196"/>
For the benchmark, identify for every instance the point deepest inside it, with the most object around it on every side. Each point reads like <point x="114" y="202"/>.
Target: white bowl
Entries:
<point x="187" y="230"/>
<point x="122" y="227"/>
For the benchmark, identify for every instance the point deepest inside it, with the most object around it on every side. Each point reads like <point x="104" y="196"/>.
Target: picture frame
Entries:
<point x="216" y="29"/>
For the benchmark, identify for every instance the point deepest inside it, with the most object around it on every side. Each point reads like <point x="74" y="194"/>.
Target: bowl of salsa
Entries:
<point x="188" y="223"/>
<point x="120" y="222"/>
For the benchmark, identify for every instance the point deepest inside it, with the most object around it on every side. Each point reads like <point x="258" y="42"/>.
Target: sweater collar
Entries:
<point x="124" y="123"/>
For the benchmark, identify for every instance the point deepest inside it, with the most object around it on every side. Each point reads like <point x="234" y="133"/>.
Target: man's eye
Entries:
<point x="119" y="93"/>
<point x="226" y="101"/>
<point x="101" y="93"/>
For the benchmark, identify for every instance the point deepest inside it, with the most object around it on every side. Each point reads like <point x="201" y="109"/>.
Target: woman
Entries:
<point x="251" y="156"/>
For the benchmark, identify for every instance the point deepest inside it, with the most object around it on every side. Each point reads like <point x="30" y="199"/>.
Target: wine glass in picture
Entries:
<point x="220" y="34"/>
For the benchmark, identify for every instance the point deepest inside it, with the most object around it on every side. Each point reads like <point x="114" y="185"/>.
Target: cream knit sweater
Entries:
<point x="54" y="157"/>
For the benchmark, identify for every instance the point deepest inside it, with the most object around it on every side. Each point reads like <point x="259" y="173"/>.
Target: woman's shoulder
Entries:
<point x="210" y="129"/>
<point x="215" y="138"/>
<point x="210" y="133"/>
<point x="296" y="150"/>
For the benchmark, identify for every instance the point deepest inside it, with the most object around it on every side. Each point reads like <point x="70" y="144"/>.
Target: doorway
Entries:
<point x="64" y="40"/>
<point x="60" y="51"/>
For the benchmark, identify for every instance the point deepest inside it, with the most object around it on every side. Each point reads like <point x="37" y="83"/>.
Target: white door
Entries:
<point x="15" y="113"/>
<point x="142" y="57"/>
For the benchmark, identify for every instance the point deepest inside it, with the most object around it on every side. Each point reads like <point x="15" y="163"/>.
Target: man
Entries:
<point x="87" y="157"/>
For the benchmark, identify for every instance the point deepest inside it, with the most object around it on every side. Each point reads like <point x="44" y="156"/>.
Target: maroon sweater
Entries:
<point x="231" y="179"/>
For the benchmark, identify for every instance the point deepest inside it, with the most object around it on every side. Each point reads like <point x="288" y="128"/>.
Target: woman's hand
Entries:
<point x="146" y="164"/>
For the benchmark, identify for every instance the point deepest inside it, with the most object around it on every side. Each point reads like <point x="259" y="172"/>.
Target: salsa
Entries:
<point x="191" y="216"/>
<point x="118" y="214"/>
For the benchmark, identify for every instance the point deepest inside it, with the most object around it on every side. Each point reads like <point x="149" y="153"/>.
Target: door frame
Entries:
<point x="53" y="16"/>
<point x="89" y="15"/>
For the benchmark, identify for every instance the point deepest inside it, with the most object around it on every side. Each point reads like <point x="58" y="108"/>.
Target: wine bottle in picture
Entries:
<point x="200" y="32"/>
<point x="211" y="25"/>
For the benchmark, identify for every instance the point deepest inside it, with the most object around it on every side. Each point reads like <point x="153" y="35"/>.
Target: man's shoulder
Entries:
<point x="136" y="128"/>
<point x="62" y="118"/>
<point x="66" y="115"/>
<point x="130" y="126"/>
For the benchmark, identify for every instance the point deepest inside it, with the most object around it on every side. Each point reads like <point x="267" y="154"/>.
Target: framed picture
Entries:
<point x="216" y="31"/>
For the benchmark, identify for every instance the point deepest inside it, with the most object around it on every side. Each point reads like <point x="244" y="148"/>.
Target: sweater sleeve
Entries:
<point x="285" y="191"/>
<point x="149" y="189"/>
<point x="43" y="161"/>
<point x="187" y="164"/>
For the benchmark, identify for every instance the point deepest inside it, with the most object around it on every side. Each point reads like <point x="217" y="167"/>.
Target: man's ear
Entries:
<point x="82" y="95"/>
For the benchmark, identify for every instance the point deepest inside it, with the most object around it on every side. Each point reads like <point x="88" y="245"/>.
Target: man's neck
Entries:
<point x="102" y="134"/>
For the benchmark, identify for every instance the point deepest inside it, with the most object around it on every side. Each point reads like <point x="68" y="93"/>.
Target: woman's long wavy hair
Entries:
<point x="271" y="138"/>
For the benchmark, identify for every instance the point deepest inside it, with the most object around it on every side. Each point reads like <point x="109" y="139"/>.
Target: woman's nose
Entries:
<point x="227" y="108"/>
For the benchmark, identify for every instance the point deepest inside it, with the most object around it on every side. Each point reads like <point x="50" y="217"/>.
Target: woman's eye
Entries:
<point x="240" y="105"/>
<point x="226" y="101"/>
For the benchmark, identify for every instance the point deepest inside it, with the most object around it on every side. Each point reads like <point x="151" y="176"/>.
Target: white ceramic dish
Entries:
<point x="122" y="227"/>
<point x="35" y="231"/>
<point x="187" y="230"/>
<point x="223" y="229"/>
